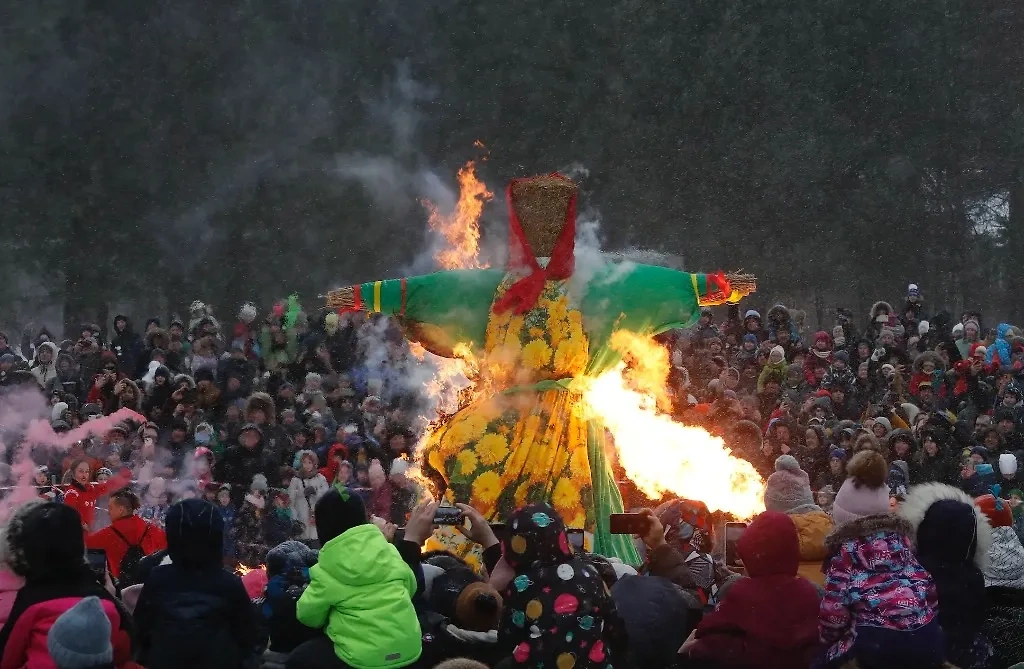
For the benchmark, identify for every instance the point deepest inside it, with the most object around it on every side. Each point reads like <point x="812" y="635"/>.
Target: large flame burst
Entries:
<point x="658" y="454"/>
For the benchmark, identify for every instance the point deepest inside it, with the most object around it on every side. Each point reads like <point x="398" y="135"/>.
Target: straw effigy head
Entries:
<point x="541" y="203"/>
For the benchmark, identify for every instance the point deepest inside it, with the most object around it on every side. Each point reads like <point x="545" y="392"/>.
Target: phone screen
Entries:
<point x="733" y="532"/>
<point x="575" y="539"/>
<point x="97" y="558"/>
<point x="627" y="523"/>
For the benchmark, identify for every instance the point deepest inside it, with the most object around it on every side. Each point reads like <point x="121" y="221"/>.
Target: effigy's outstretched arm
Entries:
<point x="438" y="310"/>
<point x="648" y="299"/>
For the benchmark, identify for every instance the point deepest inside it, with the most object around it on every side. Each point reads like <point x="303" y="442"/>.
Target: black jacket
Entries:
<point x="239" y="464"/>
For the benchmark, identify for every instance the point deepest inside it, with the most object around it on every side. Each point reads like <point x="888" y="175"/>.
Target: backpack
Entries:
<point x="130" y="562"/>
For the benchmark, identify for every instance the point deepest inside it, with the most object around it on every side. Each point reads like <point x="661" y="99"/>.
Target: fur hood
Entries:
<point x="878" y="306"/>
<point x="186" y="379"/>
<point x="928" y="355"/>
<point x="862" y="527"/>
<point x="262" y="401"/>
<point x="920" y="498"/>
<point x="779" y="315"/>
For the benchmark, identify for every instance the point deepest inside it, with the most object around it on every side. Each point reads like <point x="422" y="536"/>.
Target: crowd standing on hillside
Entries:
<point x="892" y="535"/>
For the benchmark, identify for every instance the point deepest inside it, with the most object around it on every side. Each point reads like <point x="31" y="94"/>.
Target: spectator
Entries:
<point x="769" y="619"/>
<point x="191" y="612"/>
<point x="45" y="545"/>
<point x="557" y="604"/>
<point x="788" y="491"/>
<point x="128" y="538"/>
<point x="306" y="489"/>
<point x="879" y="605"/>
<point x="952" y="538"/>
<point x="360" y="593"/>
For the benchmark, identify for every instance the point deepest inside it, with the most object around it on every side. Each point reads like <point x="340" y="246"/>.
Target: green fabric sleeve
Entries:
<point x="438" y="310"/>
<point x="607" y="500"/>
<point x="645" y="299"/>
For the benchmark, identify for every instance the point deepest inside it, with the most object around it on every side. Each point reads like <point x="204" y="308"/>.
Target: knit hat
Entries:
<point x="996" y="509"/>
<point x="864" y="492"/>
<point x="884" y="422"/>
<point x="478" y="607"/>
<point x="751" y="313"/>
<point x="752" y="338"/>
<point x="913" y="290"/>
<point x="838" y="454"/>
<point x="338" y="511"/>
<point x="80" y="637"/>
<point x="788" y="489"/>
<point x="1007" y="464"/>
<point x="923" y="327"/>
<point x="958" y="329"/>
<point x="259" y="482"/>
<point x="778" y="354"/>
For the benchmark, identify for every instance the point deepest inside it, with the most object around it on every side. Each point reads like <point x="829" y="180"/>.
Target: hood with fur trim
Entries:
<point x="948" y="534"/>
<point x="931" y="356"/>
<point x="866" y="526"/>
<point x="263" y="402"/>
<point x="877" y="307"/>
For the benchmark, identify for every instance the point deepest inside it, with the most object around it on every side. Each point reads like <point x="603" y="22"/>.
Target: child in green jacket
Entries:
<point x="360" y="592"/>
<point x="776" y="368"/>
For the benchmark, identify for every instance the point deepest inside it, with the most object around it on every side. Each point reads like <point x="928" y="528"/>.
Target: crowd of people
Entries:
<point x="891" y="537"/>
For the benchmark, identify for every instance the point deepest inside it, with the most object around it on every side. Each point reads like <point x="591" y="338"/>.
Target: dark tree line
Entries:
<point x="151" y="153"/>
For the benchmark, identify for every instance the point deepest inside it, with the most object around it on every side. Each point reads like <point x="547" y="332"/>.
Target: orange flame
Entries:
<point x="659" y="454"/>
<point x="461" y="229"/>
<point x="242" y="570"/>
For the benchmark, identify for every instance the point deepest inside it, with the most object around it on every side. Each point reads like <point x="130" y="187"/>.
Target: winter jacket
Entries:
<point x="250" y="535"/>
<point x="360" y="593"/>
<point x="10" y="584"/>
<point x="83" y="498"/>
<point x="45" y="373"/>
<point x="657" y="617"/>
<point x="239" y="464"/>
<point x="874" y="580"/>
<point x="37" y="607"/>
<point x="192" y="613"/>
<point x="999" y="351"/>
<point x="776" y="371"/>
<point x="952" y="538"/>
<point x="304" y="494"/>
<point x="812" y="528"/>
<point x="1005" y="566"/>
<point x="769" y="619"/>
<point x="134" y="531"/>
<point x="936" y="468"/>
<point x="128" y="346"/>
<point x="1004" y="624"/>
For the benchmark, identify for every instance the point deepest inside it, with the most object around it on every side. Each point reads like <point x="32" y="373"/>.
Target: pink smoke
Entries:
<point x="40" y="432"/>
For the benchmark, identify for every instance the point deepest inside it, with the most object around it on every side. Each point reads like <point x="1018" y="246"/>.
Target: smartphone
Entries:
<point x="448" y="515"/>
<point x="627" y="523"/>
<point x="500" y="531"/>
<point x="575" y="539"/>
<point x="733" y="532"/>
<point x="97" y="558"/>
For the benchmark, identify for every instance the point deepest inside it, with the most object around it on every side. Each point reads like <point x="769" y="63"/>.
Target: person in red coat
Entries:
<point x="126" y="529"/>
<point x="82" y="493"/>
<point x="766" y="621"/>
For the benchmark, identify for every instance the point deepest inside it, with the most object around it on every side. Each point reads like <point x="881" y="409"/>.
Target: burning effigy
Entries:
<point x="547" y="342"/>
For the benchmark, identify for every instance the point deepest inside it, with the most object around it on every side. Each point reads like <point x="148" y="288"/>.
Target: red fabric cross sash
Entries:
<point x="523" y="294"/>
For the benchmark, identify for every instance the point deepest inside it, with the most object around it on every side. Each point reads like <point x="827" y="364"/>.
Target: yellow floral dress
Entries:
<point x="531" y="356"/>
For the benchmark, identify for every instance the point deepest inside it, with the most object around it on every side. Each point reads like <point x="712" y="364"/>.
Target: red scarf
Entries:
<point x="523" y="294"/>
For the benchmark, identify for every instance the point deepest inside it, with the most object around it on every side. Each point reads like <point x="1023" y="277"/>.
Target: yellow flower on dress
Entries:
<point x="570" y="357"/>
<point x="565" y="497"/>
<point x="536" y="354"/>
<point x="577" y="520"/>
<point x="492" y="448"/>
<point x="467" y="429"/>
<point x="575" y="322"/>
<point x="486" y="489"/>
<point x="536" y="333"/>
<point x="515" y="329"/>
<point x="467" y="462"/>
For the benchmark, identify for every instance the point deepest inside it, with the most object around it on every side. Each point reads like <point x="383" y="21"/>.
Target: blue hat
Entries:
<point x="80" y="637"/>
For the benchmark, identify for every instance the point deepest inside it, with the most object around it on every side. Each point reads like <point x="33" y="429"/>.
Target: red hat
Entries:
<point x="997" y="510"/>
